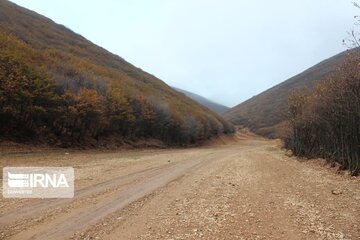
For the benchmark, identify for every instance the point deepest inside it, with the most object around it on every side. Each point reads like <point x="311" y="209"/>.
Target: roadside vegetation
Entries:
<point x="325" y="122"/>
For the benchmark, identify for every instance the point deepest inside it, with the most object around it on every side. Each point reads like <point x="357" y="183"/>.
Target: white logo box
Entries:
<point x="38" y="182"/>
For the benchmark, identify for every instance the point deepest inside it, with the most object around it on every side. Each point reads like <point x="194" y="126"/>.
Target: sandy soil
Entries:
<point x="248" y="189"/>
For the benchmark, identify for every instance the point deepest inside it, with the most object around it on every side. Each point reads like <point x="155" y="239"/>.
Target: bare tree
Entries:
<point x="353" y="39"/>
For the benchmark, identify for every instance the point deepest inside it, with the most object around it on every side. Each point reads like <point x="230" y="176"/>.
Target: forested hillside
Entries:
<point x="265" y="113"/>
<point x="59" y="88"/>
<point x="325" y="122"/>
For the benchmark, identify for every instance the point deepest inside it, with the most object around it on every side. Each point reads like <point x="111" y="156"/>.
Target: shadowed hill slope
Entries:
<point x="265" y="113"/>
<point x="215" y="107"/>
<point x="58" y="87"/>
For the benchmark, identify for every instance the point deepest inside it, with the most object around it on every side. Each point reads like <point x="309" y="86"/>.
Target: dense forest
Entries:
<point x="325" y="122"/>
<point x="59" y="88"/>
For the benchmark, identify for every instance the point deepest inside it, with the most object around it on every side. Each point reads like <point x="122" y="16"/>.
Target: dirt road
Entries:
<point x="247" y="189"/>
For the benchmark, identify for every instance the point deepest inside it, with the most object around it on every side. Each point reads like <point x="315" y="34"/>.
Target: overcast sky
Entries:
<point x="224" y="50"/>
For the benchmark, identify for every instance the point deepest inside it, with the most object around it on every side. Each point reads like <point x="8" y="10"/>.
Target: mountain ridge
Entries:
<point x="265" y="113"/>
<point x="213" y="106"/>
<point x="76" y="91"/>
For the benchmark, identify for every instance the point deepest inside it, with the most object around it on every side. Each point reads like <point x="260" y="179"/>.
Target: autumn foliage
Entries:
<point x="59" y="88"/>
<point x="325" y="122"/>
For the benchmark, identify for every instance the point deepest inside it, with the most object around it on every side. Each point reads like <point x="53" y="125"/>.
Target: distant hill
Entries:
<point x="59" y="88"/>
<point x="265" y="113"/>
<point x="215" y="107"/>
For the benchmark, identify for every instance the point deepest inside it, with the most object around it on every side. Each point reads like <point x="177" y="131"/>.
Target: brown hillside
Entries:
<point x="265" y="113"/>
<point x="59" y="87"/>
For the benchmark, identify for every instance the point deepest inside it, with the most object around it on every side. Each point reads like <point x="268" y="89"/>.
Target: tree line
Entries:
<point x="325" y="122"/>
<point x="56" y="97"/>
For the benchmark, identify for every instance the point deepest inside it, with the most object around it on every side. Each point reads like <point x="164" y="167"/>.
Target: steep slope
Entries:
<point x="265" y="113"/>
<point x="59" y="87"/>
<point x="215" y="107"/>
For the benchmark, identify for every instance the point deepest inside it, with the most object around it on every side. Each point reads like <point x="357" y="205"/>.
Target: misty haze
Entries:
<point x="180" y="119"/>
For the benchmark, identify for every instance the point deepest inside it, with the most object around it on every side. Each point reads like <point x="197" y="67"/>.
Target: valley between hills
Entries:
<point x="156" y="162"/>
